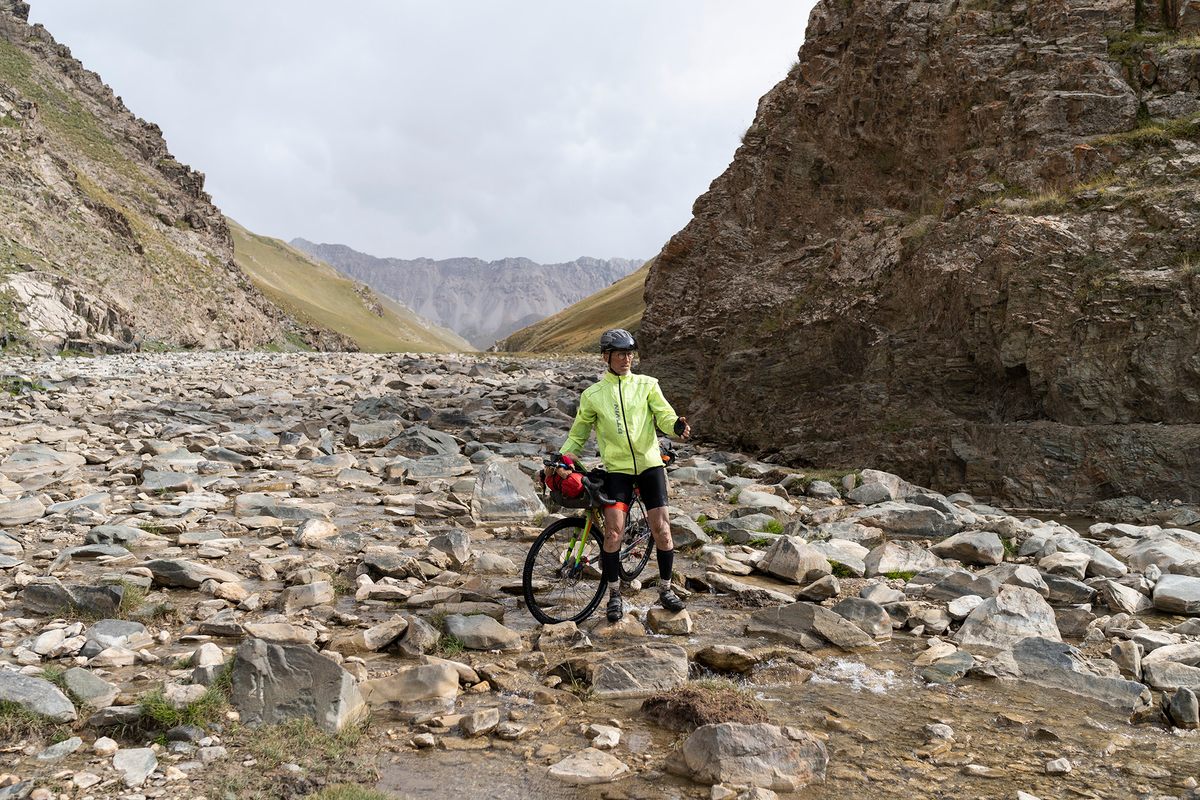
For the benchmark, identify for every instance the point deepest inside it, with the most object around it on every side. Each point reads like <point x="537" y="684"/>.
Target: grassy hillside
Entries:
<point x="316" y="293"/>
<point x="577" y="328"/>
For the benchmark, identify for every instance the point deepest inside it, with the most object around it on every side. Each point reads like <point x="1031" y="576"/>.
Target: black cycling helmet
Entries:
<point x="617" y="339"/>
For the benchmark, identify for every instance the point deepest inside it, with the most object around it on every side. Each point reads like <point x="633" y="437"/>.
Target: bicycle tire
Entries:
<point x="636" y="544"/>
<point x="552" y="596"/>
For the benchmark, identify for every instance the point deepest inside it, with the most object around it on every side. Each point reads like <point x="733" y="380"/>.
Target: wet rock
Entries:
<point x="589" y="766"/>
<point x="35" y="695"/>
<point x="272" y="682"/>
<point x="1015" y="613"/>
<point x="504" y="494"/>
<point x="631" y="671"/>
<point x="1057" y="665"/>
<point x="480" y="632"/>
<point x="798" y="622"/>
<point x="727" y="658"/>
<point x="1128" y="658"/>
<point x="865" y="615"/>
<point x="1182" y="709"/>
<point x="760" y="755"/>
<point x="135" y="765"/>
<point x="822" y="588"/>
<point x="306" y="595"/>
<point x="1177" y="594"/>
<point x="791" y="559"/>
<point x="949" y="668"/>
<point x="412" y="685"/>
<point x="480" y="722"/>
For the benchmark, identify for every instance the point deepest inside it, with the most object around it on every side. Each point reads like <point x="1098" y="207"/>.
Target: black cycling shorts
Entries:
<point x="652" y="483"/>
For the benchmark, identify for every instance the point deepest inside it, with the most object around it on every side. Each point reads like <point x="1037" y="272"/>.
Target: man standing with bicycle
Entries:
<point x="624" y="409"/>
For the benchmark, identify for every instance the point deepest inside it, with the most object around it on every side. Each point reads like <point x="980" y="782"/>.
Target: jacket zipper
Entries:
<point x="625" y="420"/>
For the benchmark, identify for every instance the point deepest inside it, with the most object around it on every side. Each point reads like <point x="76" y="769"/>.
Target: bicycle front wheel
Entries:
<point x="636" y="544"/>
<point x="562" y="579"/>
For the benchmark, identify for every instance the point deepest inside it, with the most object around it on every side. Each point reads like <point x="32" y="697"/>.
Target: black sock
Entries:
<point x="666" y="560"/>
<point x="610" y="565"/>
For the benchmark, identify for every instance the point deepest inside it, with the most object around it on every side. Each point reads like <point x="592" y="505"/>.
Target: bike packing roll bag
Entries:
<point x="567" y="492"/>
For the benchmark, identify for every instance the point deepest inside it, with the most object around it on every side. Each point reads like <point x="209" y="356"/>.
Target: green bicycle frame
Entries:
<point x="575" y="551"/>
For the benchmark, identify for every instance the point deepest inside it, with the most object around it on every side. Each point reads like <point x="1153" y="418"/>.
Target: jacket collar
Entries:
<point x="612" y="377"/>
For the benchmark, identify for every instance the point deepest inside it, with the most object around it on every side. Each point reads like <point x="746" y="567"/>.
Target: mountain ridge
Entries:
<point x="483" y="301"/>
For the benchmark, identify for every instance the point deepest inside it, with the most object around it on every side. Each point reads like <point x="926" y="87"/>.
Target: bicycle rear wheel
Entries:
<point x="637" y="542"/>
<point x="558" y="587"/>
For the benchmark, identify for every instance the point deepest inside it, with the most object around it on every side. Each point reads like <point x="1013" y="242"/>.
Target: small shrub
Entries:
<point x="347" y="791"/>
<point x="900" y="575"/>
<point x="201" y="713"/>
<point x="450" y="645"/>
<point x="774" y="526"/>
<point x="840" y="570"/>
<point x="733" y="497"/>
<point x="18" y="723"/>
<point x="703" y="703"/>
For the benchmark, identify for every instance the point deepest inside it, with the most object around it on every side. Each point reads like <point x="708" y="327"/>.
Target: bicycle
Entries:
<point x="564" y="560"/>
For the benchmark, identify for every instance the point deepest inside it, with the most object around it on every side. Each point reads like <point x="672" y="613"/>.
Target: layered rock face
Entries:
<point x="105" y="239"/>
<point x="482" y="301"/>
<point x="959" y="241"/>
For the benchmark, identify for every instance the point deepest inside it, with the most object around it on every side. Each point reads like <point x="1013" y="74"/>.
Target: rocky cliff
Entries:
<point x="480" y="300"/>
<point x="105" y="239"/>
<point x="959" y="240"/>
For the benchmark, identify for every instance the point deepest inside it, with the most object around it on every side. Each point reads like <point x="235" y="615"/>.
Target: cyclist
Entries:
<point x="624" y="409"/>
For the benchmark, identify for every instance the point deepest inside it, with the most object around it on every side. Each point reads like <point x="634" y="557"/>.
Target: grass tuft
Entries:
<point x="450" y="645"/>
<point x="18" y="723"/>
<point x="900" y="575"/>
<point x="347" y="791"/>
<point x="201" y="713"/>
<point x="840" y="570"/>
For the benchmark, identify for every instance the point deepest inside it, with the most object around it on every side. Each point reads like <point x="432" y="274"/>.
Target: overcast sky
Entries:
<point x="536" y="128"/>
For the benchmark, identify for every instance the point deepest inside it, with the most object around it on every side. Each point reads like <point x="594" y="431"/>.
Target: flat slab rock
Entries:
<point x="760" y="755"/>
<point x="589" y="766"/>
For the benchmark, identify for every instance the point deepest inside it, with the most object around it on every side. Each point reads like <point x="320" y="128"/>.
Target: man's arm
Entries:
<point x="664" y="416"/>
<point x="581" y="428"/>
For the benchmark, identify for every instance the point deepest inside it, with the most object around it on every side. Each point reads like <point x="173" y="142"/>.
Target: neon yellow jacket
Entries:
<point x="624" y="410"/>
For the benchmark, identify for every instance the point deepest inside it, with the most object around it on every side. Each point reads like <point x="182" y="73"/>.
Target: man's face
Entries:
<point x="620" y="361"/>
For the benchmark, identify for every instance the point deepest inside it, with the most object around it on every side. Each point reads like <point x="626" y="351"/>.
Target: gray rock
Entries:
<point x="115" y="633"/>
<point x="373" y="434"/>
<point x="21" y="512"/>
<point x="1181" y="708"/>
<point x="792" y="560"/>
<point x="456" y="544"/>
<point x="51" y="596"/>
<point x="35" y="695"/>
<point x="822" y="588"/>
<point x="633" y="671"/>
<point x="1015" y="613"/>
<point x="899" y="519"/>
<point x="271" y="683"/>
<point x="893" y="557"/>
<point x="57" y="752"/>
<point x="480" y="632"/>
<point x="1177" y="594"/>
<point x="822" y="490"/>
<point x="1018" y="575"/>
<point x="178" y="572"/>
<point x="686" y="533"/>
<point x="949" y="668"/>
<point x="1072" y="565"/>
<point x="413" y="688"/>
<point x="587" y="767"/>
<point x="982" y="548"/>
<point x="1057" y="665"/>
<point x="420" y="441"/>
<point x="762" y="755"/>
<point x="306" y="595"/>
<point x="505" y="494"/>
<point x="118" y="534"/>
<point x="867" y="616"/>
<point x="480" y="722"/>
<point x="961" y="584"/>
<point x="90" y="690"/>
<point x="1067" y="591"/>
<point x="1128" y="658"/>
<point x="135" y="765"/>
<point x="1122" y="599"/>
<point x="869" y="494"/>
<point x="798" y="622"/>
<point x="727" y="658"/>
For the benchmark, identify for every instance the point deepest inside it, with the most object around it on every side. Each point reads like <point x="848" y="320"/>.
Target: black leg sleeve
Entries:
<point x="666" y="561"/>
<point x="610" y="565"/>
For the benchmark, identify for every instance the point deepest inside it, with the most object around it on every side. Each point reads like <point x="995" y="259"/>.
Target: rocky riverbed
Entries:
<point x="266" y="575"/>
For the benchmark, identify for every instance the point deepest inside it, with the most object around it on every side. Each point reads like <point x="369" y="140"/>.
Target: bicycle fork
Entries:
<point x="573" y="562"/>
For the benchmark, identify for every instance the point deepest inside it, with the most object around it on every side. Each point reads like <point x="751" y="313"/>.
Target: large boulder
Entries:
<point x="1056" y="665"/>
<point x="51" y="596"/>
<point x="481" y="632"/>
<point x="758" y="755"/>
<point x="866" y="615"/>
<point x="807" y="624"/>
<point x="999" y="622"/>
<point x="272" y="683"/>
<point x="36" y="696"/>
<point x="890" y="558"/>
<point x="1177" y="594"/>
<point x="505" y="494"/>
<point x="791" y="559"/>
<point x="412" y="688"/>
<point x="181" y="573"/>
<point x="908" y="520"/>
<point x="982" y="548"/>
<point x="631" y="671"/>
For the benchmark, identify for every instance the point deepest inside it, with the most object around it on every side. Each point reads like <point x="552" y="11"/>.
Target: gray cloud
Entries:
<point x="473" y="127"/>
